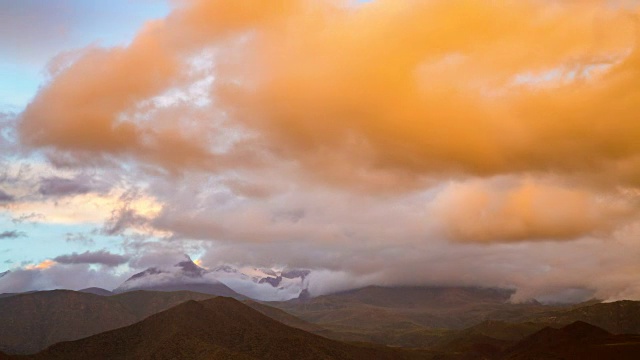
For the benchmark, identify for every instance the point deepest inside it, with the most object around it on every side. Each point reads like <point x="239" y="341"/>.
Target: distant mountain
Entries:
<point x="430" y="318"/>
<point x="4" y="273"/>
<point x="97" y="291"/>
<point x="578" y="340"/>
<point x="184" y="276"/>
<point x="409" y="316"/>
<point x="31" y="322"/>
<point x="218" y="328"/>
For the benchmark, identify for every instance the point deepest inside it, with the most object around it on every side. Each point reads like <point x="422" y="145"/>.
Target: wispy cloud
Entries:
<point x="11" y="234"/>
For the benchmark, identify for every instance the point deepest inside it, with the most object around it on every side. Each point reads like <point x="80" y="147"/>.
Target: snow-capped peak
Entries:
<point x="253" y="282"/>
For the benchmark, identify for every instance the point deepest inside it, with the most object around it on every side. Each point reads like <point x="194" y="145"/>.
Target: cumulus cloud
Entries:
<point x="100" y="257"/>
<point x="500" y="211"/>
<point x="461" y="94"/>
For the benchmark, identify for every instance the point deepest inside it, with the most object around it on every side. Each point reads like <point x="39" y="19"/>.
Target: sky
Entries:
<point x="382" y="142"/>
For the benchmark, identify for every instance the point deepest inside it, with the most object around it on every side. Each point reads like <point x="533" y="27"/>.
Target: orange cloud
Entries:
<point x="41" y="266"/>
<point x="503" y="212"/>
<point x="423" y="87"/>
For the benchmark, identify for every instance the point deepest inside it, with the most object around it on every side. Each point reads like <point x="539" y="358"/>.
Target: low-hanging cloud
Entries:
<point x="100" y="257"/>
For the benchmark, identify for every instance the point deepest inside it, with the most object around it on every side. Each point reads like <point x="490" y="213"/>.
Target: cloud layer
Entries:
<point x="390" y="142"/>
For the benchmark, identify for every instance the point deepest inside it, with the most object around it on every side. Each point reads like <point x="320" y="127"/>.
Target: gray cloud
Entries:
<point x="79" y="238"/>
<point x="81" y="184"/>
<point x="101" y="257"/>
<point x="11" y="234"/>
<point x="31" y="217"/>
<point x="5" y="198"/>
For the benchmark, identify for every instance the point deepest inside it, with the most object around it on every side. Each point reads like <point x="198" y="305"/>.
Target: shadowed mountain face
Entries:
<point x="219" y="328"/>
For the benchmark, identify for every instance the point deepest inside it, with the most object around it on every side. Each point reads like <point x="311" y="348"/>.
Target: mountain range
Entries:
<point x="183" y="325"/>
<point x="433" y="319"/>
<point x="184" y="311"/>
